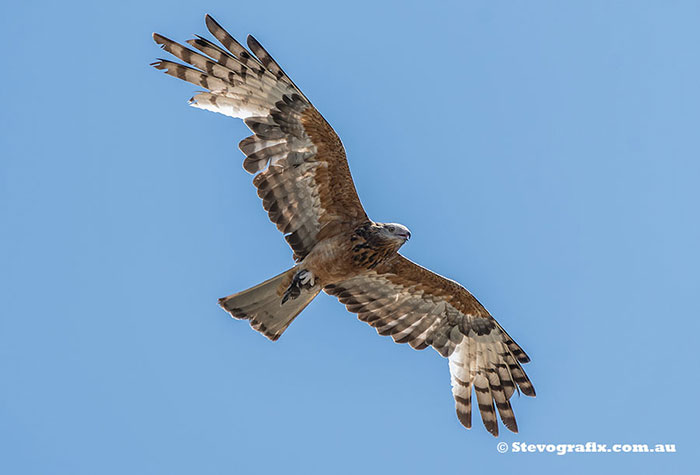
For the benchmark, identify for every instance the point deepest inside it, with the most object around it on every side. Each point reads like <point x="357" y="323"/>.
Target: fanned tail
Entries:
<point x="265" y="304"/>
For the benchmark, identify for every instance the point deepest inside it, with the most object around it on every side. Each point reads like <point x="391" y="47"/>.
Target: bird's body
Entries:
<point x="345" y="255"/>
<point x="303" y="179"/>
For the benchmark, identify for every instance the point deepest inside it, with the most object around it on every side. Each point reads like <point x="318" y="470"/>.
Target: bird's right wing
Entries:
<point x="419" y="307"/>
<point x="302" y="174"/>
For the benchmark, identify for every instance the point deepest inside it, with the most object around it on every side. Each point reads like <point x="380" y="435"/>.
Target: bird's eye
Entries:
<point x="392" y="229"/>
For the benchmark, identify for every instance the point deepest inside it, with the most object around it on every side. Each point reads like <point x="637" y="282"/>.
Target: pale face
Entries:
<point x="395" y="231"/>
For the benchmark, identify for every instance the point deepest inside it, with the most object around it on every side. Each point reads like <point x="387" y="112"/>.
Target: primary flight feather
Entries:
<point x="302" y="176"/>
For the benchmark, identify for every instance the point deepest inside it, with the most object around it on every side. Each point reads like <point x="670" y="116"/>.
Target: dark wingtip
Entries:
<point x="211" y="23"/>
<point x="252" y="42"/>
<point x="161" y="40"/>
<point x="465" y="419"/>
<point x="511" y="424"/>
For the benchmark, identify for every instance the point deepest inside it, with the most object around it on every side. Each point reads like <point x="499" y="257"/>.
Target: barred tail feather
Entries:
<point x="263" y="305"/>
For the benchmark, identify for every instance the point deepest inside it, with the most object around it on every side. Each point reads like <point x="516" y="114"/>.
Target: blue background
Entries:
<point x="543" y="154"/>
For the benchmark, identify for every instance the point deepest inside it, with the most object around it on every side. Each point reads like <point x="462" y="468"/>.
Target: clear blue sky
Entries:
<point x="543" y="154"/>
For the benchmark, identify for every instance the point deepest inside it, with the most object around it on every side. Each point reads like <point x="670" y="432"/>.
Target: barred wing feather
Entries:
<point x="421" y="308"/>
<point x="299" y="163"/>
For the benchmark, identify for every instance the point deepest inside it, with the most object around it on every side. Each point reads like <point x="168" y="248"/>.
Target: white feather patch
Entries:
<point x="226" y="106"/>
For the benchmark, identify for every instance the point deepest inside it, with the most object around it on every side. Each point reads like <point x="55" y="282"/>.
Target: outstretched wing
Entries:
<point x="302" y="173"/>
<point x="421" y="308"/>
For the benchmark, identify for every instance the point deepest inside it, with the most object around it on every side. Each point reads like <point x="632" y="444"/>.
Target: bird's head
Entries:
<point x="394" y="232"/>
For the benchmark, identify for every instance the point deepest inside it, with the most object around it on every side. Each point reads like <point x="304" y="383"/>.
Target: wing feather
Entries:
<point x="299" y="162"/>
<point x="418" y="307"/>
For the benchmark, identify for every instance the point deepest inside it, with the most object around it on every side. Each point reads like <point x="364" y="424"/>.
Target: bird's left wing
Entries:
<point x="302" y="176"/>
<point x="421" y="308"/>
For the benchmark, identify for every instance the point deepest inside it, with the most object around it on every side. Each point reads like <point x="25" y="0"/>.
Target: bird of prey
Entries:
<point x="302" y="175"/>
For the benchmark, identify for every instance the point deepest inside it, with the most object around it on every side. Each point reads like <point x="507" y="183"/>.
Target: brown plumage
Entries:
<point x="302" y="176"/>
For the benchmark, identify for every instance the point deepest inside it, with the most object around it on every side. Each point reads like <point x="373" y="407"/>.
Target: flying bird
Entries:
<point x="301" y="174"/>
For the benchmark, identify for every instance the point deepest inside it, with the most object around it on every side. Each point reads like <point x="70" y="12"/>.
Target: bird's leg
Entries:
<point x="306" y="277"/>
<point x="303" y="279"/>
